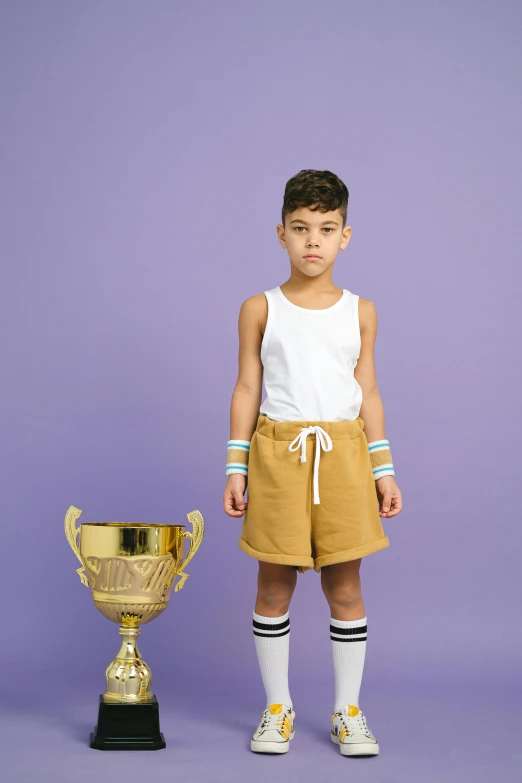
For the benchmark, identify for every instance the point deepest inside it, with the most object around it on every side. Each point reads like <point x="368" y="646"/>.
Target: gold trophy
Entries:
<point x="130" y="568"/>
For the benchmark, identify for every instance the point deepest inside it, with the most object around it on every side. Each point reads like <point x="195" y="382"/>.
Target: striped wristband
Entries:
<point x="381" y="459"/>
<point x="237" y="456"/>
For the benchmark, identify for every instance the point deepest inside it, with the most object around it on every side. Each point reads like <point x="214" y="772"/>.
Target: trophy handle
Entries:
<point x="195" y="538"/>
<point x="71" y="531"/>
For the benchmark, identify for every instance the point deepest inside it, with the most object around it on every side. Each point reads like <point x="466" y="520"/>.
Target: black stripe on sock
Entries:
<point x="348" y="631"/>
<point x="362" y="639"/>
<point x="271" y="626"/>
<point x="273" y="635"/>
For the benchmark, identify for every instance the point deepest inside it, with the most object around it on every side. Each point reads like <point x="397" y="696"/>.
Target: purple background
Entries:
<point x="145" y="149"/>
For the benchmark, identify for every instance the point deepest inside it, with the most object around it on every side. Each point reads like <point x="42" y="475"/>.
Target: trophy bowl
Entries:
<point x="130" y="568"/>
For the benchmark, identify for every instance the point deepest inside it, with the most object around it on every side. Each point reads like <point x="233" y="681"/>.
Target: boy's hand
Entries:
<point x="233" y="499"/>
<point x="389" y="496"/>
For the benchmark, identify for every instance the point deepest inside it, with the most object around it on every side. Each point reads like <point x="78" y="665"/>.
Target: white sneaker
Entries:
<point x="275" y="731"/>
<point x="350" y="732"/>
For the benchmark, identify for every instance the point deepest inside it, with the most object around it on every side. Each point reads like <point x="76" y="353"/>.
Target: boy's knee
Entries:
<point x="276" y="590"/>
<point x="345" y="596"/>
<point x="275" y="593"/>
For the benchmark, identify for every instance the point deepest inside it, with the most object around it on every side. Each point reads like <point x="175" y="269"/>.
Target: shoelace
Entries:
<point x="361" y="723"/>
<point x="273" y="721"/>
<point x="322" y="441"/>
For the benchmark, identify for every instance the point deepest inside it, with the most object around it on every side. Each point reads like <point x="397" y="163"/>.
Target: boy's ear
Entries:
<point x="347" y="233"/>
<point x="281" y="234"/>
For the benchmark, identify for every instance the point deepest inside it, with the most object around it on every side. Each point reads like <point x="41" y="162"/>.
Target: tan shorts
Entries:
<point x="284" y="523"/>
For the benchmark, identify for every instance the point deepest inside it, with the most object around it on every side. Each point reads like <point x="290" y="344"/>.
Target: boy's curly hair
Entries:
<point x="319" y="190"/>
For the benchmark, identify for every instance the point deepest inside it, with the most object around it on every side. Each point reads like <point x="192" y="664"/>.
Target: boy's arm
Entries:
<point x="372" y="409"/>
<point x="246" y="398"/>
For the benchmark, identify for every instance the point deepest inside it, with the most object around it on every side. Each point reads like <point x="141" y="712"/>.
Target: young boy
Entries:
<point x="315" y="455"/>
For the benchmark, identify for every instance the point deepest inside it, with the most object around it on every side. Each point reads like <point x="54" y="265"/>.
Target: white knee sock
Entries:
<point x="349" y="649"/>
<point x="272" y="640"/>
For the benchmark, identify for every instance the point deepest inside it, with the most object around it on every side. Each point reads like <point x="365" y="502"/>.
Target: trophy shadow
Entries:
<point x="220" y="715"/>
<point x="77" y="730"/>
<point x="32" y="717"/>
<point x="49" y="711"/>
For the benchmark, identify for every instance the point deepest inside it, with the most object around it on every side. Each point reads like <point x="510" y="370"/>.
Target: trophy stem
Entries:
<point x="128" y="676"/>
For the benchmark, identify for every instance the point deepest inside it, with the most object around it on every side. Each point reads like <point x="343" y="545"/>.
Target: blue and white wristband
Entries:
<point x="381" y="459"/>
<point x="238" y="452"/>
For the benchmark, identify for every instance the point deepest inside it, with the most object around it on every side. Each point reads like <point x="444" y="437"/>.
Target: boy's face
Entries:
<point x="307" y="233"/>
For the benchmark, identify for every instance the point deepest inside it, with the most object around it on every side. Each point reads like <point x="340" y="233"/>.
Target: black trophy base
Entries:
<point x="128" y="727"/>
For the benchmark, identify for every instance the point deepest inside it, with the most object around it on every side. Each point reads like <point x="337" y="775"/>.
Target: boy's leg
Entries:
<point x="342" y="588"/>
<point x="271" y="625"/>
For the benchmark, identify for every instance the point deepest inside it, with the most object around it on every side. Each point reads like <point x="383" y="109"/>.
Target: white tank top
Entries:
<point x="308" y="358"/>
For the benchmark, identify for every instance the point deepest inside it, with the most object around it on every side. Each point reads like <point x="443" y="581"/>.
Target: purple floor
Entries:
<point x="428" y="732"/>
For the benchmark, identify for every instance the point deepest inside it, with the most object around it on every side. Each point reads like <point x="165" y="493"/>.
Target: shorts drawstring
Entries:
<point x="322" y="440"/>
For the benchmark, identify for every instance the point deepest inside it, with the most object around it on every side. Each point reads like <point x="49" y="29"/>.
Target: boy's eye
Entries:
<point x="298" y="228"/>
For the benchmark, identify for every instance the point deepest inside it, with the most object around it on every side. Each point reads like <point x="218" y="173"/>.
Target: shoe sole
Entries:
<point x="262" y="746"/>
<point x="356" y="748"/>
